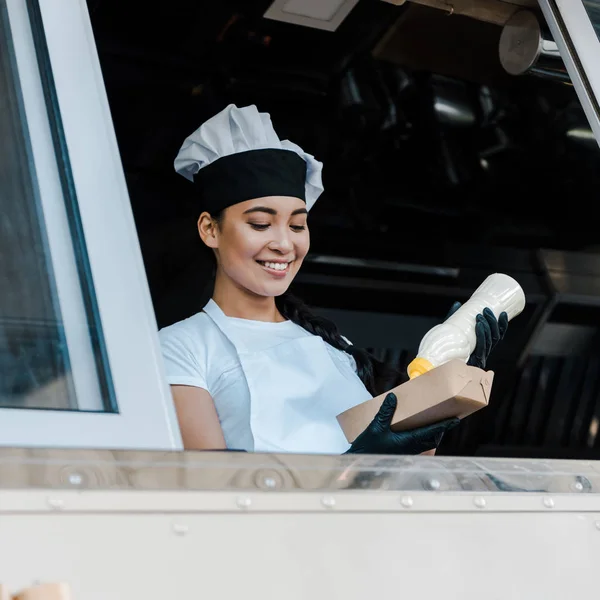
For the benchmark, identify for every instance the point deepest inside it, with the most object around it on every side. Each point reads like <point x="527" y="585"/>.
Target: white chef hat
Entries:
<point x="237" y="156"/>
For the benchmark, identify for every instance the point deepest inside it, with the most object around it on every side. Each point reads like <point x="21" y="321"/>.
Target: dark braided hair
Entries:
<point x="376" y="375"/>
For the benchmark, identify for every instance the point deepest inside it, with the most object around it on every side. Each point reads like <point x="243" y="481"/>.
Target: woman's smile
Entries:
<point x="276" y="268"/>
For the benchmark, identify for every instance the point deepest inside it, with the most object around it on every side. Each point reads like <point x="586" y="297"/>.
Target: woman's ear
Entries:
<point x="208" y="230"/>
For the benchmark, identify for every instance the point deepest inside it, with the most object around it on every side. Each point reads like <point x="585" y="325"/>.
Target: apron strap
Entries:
<point x="219" y="318"/>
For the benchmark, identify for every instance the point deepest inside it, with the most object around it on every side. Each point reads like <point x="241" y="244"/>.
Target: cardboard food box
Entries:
<point x="450" y="390"/>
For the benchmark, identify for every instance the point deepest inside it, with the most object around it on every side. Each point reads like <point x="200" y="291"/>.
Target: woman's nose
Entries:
<point x="282" y="243"/>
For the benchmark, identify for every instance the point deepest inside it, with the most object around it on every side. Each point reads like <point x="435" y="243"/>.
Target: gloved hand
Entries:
<point x="488" y="332"/>
<point x="378" y="438"/>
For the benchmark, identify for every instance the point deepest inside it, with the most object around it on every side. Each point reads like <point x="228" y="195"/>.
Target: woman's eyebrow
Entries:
<point x="264" y="209"/>
<point x="272" y="211"/>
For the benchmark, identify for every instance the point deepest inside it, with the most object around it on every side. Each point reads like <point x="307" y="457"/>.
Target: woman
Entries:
<point x="256" y="370"/>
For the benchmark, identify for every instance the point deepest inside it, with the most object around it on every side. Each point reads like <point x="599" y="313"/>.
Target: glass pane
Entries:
<point x="50" y="349"/>
<point x="592" y="8"/>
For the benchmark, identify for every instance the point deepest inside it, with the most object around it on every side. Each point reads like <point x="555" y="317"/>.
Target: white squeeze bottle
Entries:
<point x="455" y="337"/>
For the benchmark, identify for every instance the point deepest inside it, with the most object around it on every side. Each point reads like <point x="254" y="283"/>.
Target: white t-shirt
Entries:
<point x="197" y="353"/>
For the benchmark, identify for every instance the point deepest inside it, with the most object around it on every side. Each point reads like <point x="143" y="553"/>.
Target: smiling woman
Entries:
<point x="256" y="370"/>
<point x="259" y="246"/>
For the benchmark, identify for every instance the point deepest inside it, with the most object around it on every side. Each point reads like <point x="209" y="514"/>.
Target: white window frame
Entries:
<point x="146" y="417"/>
<point x="579" y="48"/>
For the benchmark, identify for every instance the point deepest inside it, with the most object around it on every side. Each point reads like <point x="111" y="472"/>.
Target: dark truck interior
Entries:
<point x="440" y="168"/>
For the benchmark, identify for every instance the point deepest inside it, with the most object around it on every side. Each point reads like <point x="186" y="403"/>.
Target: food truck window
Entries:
<point x="425" y="151"/>
<point x="78" y="366"/>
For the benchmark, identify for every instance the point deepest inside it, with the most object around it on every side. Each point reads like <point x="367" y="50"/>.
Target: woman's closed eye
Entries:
<point x="260" y="226"/>
<point x="265" y="226"/>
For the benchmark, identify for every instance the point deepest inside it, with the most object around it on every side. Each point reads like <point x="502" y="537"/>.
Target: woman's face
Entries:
<point x="260" y="244"/>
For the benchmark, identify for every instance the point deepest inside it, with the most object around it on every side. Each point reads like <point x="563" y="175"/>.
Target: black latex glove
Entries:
<point x="378" y="438"/>
<point x="488" y="332"/>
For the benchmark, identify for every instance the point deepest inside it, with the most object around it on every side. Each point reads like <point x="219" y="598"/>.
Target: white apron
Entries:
<point x="296" y="391"/>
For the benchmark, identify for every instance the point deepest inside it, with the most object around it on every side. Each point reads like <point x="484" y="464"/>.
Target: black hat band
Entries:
<point x="251" y="174"/>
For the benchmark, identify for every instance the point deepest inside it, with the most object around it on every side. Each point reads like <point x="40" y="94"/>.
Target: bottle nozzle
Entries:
<point x="418" y="366"/>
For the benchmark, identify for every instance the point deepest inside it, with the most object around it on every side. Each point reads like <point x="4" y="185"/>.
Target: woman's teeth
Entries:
<point x="275" y="266"/>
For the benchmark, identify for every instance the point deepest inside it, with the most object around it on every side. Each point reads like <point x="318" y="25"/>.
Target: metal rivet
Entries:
<point x="406" y="501"/>
<point x="479" y="502"/>
<point x="433" y="484"/>
<point x="180" y="528"/>
<point x="56" y="503"/>
<point x="244" y="502"/>
<point x="268" y="479"/>
<point x="548" y="503"/>
<point x="75" y="479"/>
<point x="577" y="486"/>
<point x="328" y="501"/>
<point x="597" y="524"/>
